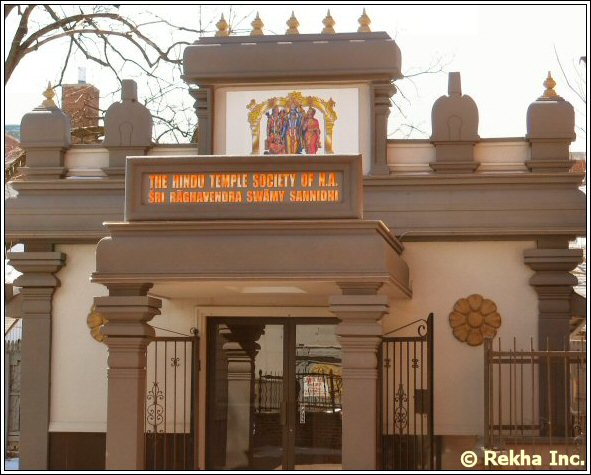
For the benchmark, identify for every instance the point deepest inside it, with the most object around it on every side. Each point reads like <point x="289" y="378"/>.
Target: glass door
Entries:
<point x="274" y="394"/>
<point x="318" y="376"/>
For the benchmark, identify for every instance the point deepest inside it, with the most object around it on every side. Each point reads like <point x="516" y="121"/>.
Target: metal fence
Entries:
<point x="171" y="424"/>
<point x="406" y="401"/>
<point x="12" y="388"/>
<point x="319" y="391"/>
<point x="535" y="399"/>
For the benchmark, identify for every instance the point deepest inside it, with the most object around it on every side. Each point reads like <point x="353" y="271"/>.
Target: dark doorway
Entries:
<point x="274" y="394"/>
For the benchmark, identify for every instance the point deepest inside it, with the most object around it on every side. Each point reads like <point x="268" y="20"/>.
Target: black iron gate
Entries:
<point x="171" y="424"/>
<point x="406" y="367"/>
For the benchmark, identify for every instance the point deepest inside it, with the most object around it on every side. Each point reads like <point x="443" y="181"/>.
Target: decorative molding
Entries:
<point x="95" y="322"/>
<point x="292" y="24"/>
<point x="474" y="318"/>
<point x="364" y="22"/>
<point x="329" y="24"/>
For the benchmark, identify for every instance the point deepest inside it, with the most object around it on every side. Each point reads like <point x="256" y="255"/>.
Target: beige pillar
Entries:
<point x="240" y="350"/>
<point x="552" y="262"/>
<point x="359" y="334"/>
<point x="204" y="110"/>
<point x="381" y="92"/>
<point x="38" y="284"/>
<point x="127" y="310"/>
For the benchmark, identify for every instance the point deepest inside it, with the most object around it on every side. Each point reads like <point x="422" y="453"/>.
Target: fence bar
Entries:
<point x="566" y="396"/>
<point x="408" y="397"/>
<point x="165" y="415"/>
<point x="431" y="388"/>
<point x="155" y="431"/>
<point x="511" y="363"/>
<point x="414" y="387"/>
<point x="195" y="398"/>
<point x="533" y="397"/>
<point x="500" y="414"/>
<point x="487" y="342"/>
<point x="185" y="408"/>
<point x="549" y="391"/>
<point x="422" y="418"/>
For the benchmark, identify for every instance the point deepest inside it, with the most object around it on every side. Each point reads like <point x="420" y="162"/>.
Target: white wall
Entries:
<point x="493" y="155"/>
<point x="442" y="273"/>
<point x="79" y="363"/>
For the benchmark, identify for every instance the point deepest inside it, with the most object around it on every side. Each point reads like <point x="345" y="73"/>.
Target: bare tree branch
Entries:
<point x="13" y="57"/>
<point x="570" y="86"/>
<point x="8" y="9"/>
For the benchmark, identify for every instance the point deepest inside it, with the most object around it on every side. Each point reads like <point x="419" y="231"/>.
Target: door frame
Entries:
<point x="289" y="371"/>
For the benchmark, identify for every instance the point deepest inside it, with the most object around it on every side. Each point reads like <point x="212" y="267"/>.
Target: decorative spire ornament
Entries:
<point x="364" y="22"/>
<point x="49" y="94"/>
<point x="550" y="93"/>
<point x="293" y="24"/>
<point x="257" y="26"/>
<point x="222" y="26"/>
<point x="328" y="23"/>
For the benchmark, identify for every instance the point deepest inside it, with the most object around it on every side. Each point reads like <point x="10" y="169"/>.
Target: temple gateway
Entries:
<point x="296" y="290"/>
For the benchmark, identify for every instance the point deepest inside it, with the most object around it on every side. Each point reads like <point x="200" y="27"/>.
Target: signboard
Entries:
<point x="316" y="387"/>
<point x="222" y="187"/>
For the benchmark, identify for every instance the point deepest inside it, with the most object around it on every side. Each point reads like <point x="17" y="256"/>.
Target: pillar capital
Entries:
<point x="356" y="311"/>
<point x="360" y="288"/>
<point x="553" y="281"/>
<point x="37" y="268"/>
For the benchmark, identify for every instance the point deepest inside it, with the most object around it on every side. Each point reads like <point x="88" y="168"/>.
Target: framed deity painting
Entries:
<point x="297" y="121"/>
<point x="292" y="124"/>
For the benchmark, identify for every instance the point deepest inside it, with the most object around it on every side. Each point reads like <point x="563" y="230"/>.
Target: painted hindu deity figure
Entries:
<point x="275" y="142"/>
<point x="293" y="129"/>
<point x="311" y="132"/>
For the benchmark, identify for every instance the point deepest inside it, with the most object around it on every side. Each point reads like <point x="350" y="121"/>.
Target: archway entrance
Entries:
<point x="274" y="394"/>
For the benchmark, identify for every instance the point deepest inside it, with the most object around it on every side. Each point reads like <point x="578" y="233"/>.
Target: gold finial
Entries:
<point x="550" y="93"/>
<point x="222" y="27"/>
<point x="328" y="23"/>
<point x="257" y="26"/>
<point x="293" y="24"/>
<point x="49" y="94"/>
<point x="364" y="22"/>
